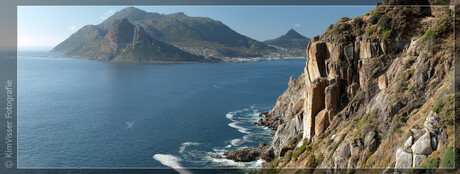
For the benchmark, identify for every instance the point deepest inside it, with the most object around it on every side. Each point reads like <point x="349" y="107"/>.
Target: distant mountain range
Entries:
<point x="133" y="35"/>
<point x="290" y="40"/>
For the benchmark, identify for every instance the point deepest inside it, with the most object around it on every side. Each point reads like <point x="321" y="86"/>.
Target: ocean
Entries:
<point x="76" y="113"/>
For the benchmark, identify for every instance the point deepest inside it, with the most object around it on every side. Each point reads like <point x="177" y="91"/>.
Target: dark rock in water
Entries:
<point x="217" y="157"/>
<point x="243" y="155"/>
<point x="263" y="114"/>
<point x="250" y="153"/>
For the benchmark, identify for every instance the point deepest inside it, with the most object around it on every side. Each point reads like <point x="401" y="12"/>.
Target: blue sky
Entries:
<point x="47" y="26"/>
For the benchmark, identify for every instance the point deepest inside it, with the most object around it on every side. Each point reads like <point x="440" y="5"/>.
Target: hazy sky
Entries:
<point x="50" y="25"/>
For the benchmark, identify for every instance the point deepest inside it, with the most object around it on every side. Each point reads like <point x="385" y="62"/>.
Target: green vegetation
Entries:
<point x="431" y="163"/>
<point x="375" y="17"/>
<point x="451" y="158"/>
<point x="447" y="111"/>
<point x="313" y="162"/>
<point x="442" y="27"/>
<point x="438" y="106"/>
<point x="297" y="152"/>
<point x="366" y="158"/>
<point x="370" y="30"/>
<point x="384" y="22"/>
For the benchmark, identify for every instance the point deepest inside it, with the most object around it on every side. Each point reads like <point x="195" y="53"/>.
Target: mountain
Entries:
<point x="377" y="91"/>
<point x="290" y="40"/>
<point x="123" y="42"/>
<point x="176" y="29"/>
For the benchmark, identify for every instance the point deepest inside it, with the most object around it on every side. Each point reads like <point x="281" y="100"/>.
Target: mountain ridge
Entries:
<point x="179" y="30"/>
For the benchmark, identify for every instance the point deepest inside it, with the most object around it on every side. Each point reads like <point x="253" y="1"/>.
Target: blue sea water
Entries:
<point x="75" y="113"/>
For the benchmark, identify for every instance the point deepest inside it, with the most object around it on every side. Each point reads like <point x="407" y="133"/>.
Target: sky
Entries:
<point x="47" y="26"/>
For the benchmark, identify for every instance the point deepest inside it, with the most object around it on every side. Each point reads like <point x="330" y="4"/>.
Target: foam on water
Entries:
<point x="241" y="120"/>
<point x="184" y="145"/>
<point x="171" y="161"/>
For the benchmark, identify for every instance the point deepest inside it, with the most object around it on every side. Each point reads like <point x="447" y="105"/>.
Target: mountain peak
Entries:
<point x="132" y="9"/>
<point x="178" y="14"/>
<point x="292" y="34"/>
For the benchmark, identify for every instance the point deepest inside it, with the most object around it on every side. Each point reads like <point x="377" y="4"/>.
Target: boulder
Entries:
<point x="403" y="159"/>
<point x="432" y="122"/>
<point x="408" y="143"/>
<point x="341" y="156"/>
<point x="383" y="83"/>
<point x="243" y="155"/>
<point x="322" y="122"/>
<point x="417" y="160"/>
<point x="313" y="104"/>
<point x="423" y="145"/>
<point x="355" y="147"/>
<point x="417" y="133"/>
<point x="370" y="142"/>
<point x="369" y="138"/>
<point x="268" y="155"/>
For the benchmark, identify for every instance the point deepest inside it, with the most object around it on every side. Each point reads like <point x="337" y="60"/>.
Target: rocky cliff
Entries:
<point x="377" y="91"/>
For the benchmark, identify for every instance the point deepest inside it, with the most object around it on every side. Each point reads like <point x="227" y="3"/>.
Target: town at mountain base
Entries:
<point x="377" y="92"/>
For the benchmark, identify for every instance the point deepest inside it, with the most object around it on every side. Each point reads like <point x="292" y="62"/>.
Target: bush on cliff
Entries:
<point x="451" y="158"/>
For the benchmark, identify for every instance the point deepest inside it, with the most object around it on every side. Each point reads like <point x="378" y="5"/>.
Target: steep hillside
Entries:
<point x="201" y="34"/>
<point x="377" y="92"/>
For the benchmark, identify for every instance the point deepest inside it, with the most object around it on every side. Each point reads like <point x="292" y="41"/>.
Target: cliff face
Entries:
<point x="377" y="91"/>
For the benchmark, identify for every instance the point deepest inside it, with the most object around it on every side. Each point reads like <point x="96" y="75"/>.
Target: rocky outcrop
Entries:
<point x="248" y="154"/>
<point x="420" y="145"/>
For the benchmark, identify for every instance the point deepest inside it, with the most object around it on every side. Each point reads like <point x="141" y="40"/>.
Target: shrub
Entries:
<point x="344" y="19"/>
<point x="370" y="30"/>
<point x="447" y="112"/>
<point x="438" y="106"/>
<point x="387" y="34"/>
<point x="366" y="158"/>
<point x="374" y="18"/>
<point x="440" y="29"/>
<point x="448" y="160"/>
<point x="431" y="163"/>
<point x="313" y="161"/>
<point x="384" y="22"/>
<point x="288" y="156"/>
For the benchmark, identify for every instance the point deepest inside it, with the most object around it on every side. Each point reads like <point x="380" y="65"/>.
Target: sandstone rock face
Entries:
<point x="332" y="97"/>
<point x="383" y="83"/>
<point x="322" y="121"/>
<point x="316" y="52"/>
<point x="403" y="159"/>
<point x="314" y="103"/>
<point x="369" y="50"/>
